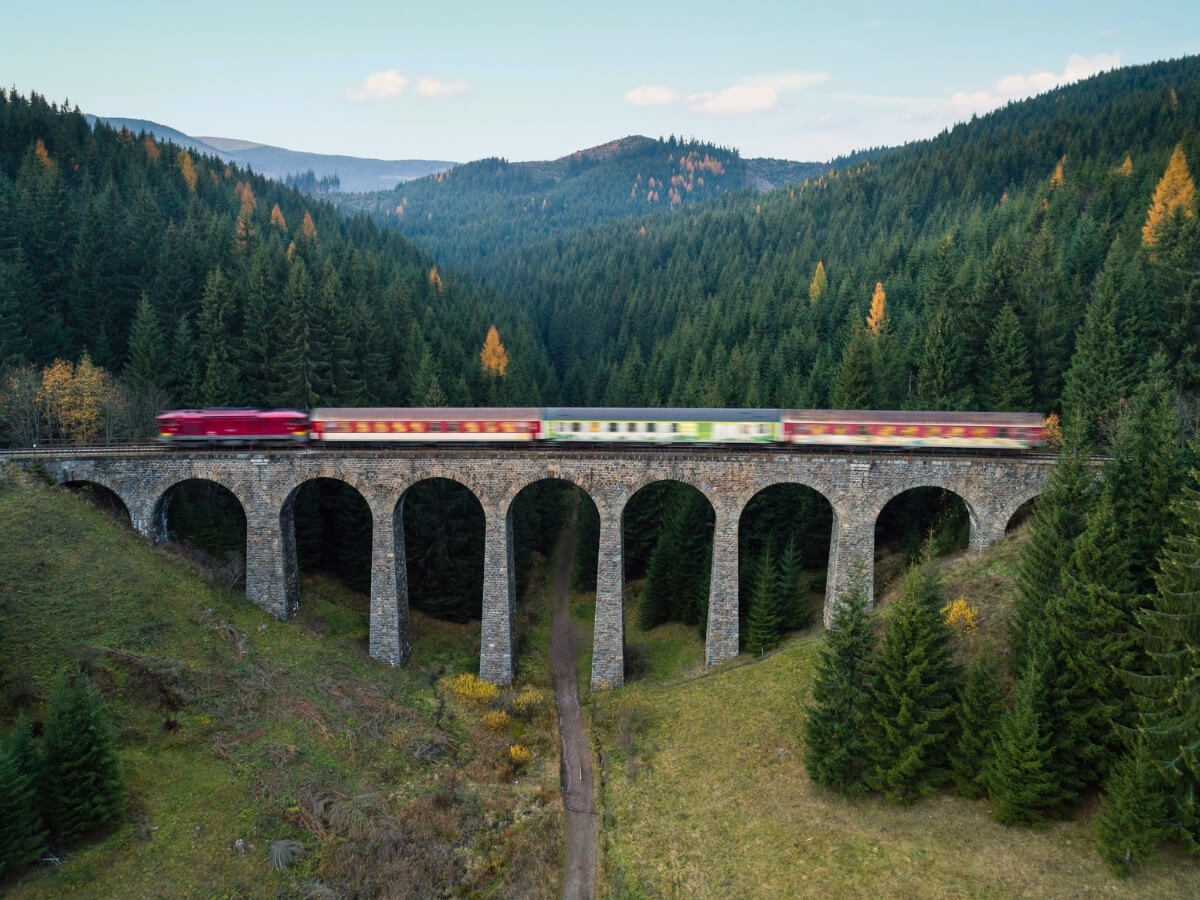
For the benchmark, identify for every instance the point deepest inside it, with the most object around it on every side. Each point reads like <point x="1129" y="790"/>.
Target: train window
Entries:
<point x="650" y="426"/>
<point x="674" y="427"/>
<point x="435" y="426"/>
<point x="574" y="426"/>
<point x="452" y="426"/>
<point x="612" y="426"/>
<point x="632" y="426"/>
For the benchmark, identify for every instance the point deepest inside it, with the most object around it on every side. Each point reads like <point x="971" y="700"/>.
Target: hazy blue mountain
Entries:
<point x="355" y="173"/>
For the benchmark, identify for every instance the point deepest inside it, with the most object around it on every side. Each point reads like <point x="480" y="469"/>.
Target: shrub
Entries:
<point x="471" y="688"/>
<point x="528" y="703"/>
<point x="519" y="755"/>
<point x="496" y="720"/>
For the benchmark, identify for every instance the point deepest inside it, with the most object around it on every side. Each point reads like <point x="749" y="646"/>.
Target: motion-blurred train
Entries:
<point x="634" y="425"/>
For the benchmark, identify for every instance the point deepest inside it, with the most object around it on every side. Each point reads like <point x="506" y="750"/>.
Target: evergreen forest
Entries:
<point x="1044" y="257"/>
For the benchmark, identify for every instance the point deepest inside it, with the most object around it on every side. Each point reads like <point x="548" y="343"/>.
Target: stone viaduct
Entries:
<point x="857" y="487"/>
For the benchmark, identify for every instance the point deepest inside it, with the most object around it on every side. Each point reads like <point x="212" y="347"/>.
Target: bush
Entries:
<point x="473" y="689"/>
<point x="519" y="756"/>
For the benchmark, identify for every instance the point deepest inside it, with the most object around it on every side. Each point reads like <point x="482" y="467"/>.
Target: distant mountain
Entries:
<point x="474" y="209"/>
<point x="354" y="173"/>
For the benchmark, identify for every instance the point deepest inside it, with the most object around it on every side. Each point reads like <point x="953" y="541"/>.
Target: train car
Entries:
<point x="876" y="428"/>
<point x="425" y="424"/>
<point x="233" y="426"/>
<point x="660" y="426"/>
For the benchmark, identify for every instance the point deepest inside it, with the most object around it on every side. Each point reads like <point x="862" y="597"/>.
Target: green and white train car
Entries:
<point x="660" y="426"/>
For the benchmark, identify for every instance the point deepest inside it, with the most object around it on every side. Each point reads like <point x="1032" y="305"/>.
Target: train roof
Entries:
<point x="428" y="413"/>
<point x="656" y="414"/>
<point x="895" y="417"/>
<point x="216" y="412"/>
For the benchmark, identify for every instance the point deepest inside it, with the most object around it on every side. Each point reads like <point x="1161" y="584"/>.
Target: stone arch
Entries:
<point x="668" y="530"/>
<point x="975" y="516"/>
<point x="102" y="496"/>
<point x="749" y="547"/>
<point x="311" y="545"/>
<point x="1014" y="505"/>
<point x="178" y="505"/>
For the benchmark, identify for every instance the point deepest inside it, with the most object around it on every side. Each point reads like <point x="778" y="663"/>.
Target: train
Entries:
<point x="608" y="425"/>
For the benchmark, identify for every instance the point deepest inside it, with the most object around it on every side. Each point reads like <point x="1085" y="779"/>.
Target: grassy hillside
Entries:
<point x="233" y="725"/>
<point x="705" y="794"/>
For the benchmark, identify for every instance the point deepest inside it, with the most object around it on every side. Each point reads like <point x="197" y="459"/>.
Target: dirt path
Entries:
<point x="579" y="877"/>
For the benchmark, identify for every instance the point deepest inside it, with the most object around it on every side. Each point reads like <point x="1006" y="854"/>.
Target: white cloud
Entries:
<point x="758" y="93"/>
<point x="1019" y="86"/>
<point x="380" y="86"/>
<point x="435" y="87"/>
<point x="652" y="95"/>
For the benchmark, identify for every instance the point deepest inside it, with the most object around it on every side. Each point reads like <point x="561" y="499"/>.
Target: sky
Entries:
<point x="458" y="80"/>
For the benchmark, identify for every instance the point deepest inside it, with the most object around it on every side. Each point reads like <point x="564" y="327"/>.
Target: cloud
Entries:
<point x="739" y="100"/>
<point x="389" y="84"/>
<point x="435" y="87"/>
<point x="380" y="86"/>
<point x="652" y="95"/>
<point x="1019" y="86"/>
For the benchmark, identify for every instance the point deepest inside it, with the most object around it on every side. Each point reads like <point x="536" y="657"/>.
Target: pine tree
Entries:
<point x="854" y="383"/>
<point x="15" y="346"/>
<point x="1019" y="778"/>
<point x="1057" y="522"/>
<point x="146" y="366"/>
<point x="1144" y="472"/>
<point x="295" y="367"/>
<point x="1169" y="693"/>
<point x="1133" y="812"/>
<point x="22" y="837"/>
<point x="915" y="688"/>
<point x="794" y="611"/>
<point x="980" y="707"/>
<point x="762" y="619"/>
<point x="81" y="783"/>
<point x="941" y="377"/>
<point x="1007" y="369"/>
<point x="838" y="719"/>
<point x="219" y="380"/>
<point x="1098" y="374"/>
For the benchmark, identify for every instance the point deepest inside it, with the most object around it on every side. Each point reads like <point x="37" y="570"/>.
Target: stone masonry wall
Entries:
<point x="857" y="486"/>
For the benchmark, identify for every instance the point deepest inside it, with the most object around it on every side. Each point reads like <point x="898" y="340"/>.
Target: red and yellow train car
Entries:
<point x="426" y="424"/>
<point x="875" y="428"/>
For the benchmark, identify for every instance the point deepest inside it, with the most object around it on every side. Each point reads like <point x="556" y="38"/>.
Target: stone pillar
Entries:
<point x="272" y="572"/>
<point x="497" y="659"/>
<point x="851" y="555"/>
<point x="721" y="635"/>
<point x="986" y="529"/>
<point x="148" y="515"/>
<point x="391" y="640"/>
<point x="608" y="640"/>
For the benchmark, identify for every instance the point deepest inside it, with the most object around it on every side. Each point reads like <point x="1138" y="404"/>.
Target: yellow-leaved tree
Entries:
<point x="878" y="309"/>
<point x="72" y="398"/>
<point x="308" y="227"/>
<point x="1175" y="190"/>
<point x="436" y="280"/>
<point x="818" y="285"/>
<point x="187" y="169"/>
<point x="277" y="218"/>
<point x="493" y="357"/>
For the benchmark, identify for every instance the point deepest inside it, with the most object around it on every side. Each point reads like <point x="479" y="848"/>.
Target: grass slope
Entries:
<point x="705" y="795"/>
<point x="234" y="726"/>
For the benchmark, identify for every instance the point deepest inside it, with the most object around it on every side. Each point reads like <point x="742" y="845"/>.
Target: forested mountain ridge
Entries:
<point x="477" y="208"/>
<point x="1031" y="209"/>
<point x="201" y="283"/>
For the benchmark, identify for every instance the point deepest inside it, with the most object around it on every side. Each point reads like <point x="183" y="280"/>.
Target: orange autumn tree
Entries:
<point x="1175" y="190"/>
<point x="187" y="169"/>
<point x="818" y="285"/>
<point x="493" y="357"/>
<point x="71" y="399"/>
<point x="878" y="309"/>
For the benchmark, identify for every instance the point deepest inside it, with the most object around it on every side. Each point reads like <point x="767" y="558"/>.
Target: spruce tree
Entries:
<point x="146" y="366"/>
<point x="915" y="687"/>
<point x="838" y="719"/>
<point x="762" y="619"/>
<point x="941" y="375"/>
<point x="1007" y="386"/>
<point x="1099" y="372"/>
<point x="980" y="706"/>
<point x="1020" y="779"/>
<point x="1133" y="813"/>
<point x="219" y="379"/>
<point x="81" y="782"/>
<point x="1056" y="523"/>
<point x="1169" y="694"/>
<point x="794" y="611"/>
<point x="22" y="837"/>
<point x="853" y="383"/>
